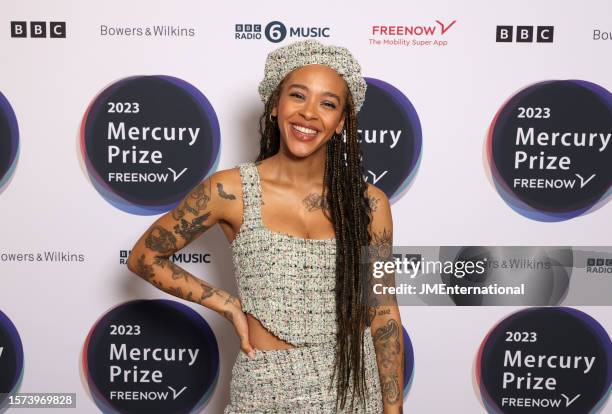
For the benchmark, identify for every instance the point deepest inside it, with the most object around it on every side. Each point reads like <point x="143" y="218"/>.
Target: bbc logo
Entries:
<point x="248" y="28"/>
<point x="38" y="29"/>
<point x="525" y="34"/>
<point x="596" y="261"/>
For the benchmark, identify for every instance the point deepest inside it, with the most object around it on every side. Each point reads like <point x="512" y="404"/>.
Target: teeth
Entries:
<point x="305" y="130"/>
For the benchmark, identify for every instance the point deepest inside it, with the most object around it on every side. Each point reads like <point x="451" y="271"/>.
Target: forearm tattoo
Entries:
<point x="380" y="249"/>
<point x="389" y="357"/>
<point x="381" y="246"/>
<point x="192" y="288"/>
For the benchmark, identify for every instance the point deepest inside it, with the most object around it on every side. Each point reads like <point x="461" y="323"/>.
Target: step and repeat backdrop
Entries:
<point x="488" y="126"/>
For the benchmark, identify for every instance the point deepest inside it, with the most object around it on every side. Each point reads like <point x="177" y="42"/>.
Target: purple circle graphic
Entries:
<point x="11" y="359"/>
<point x="9" y="142"/>
<point x="549" y="149"/>
<point x="391" y="138"/>
<point x="147" y="141"/>
<point x="151" y="356"/>
<point x="545" y="360"/>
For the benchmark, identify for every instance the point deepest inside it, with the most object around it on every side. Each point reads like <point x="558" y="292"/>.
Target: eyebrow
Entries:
<point x="330" y="94"/>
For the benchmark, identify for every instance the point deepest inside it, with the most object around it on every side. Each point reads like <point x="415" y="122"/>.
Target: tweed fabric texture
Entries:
<point x="287" y="283"/>
<point x="297" y="380"/>
<point x="306" y="52"/>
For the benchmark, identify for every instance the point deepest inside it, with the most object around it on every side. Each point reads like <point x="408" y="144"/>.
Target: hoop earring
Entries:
<point x="271" y="118"/>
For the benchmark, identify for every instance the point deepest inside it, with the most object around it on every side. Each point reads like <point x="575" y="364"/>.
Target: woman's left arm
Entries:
<point x="384" y="316"/>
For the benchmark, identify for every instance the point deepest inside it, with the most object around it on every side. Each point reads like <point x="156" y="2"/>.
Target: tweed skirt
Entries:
<point x="297" y="380"/>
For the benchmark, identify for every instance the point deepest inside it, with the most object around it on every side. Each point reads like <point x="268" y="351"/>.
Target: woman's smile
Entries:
<point x="303" y="133"/>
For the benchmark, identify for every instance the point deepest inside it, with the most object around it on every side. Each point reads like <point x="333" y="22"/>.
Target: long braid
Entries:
<point x="346" y="193"/>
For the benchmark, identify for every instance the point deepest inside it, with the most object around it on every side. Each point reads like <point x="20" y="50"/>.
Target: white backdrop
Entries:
<point x="50" y="204"/>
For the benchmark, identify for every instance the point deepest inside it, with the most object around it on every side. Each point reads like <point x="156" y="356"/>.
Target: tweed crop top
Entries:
<point x="284" y="281"/>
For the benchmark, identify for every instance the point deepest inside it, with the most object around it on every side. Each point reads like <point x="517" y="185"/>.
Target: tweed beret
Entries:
<point x="307" y="52"/>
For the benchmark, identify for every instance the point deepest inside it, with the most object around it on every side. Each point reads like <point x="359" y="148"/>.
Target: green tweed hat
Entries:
<point x="307" y="52"/>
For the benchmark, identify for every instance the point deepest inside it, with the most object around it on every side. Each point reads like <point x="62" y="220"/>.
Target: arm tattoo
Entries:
<point x="373" y="201"/>
<point x="390" y="388"/>
<point x="144" y="270"/>
<point x="228" y="315"/>
<point x="176" y="291"/>
<point x="388" y="354"/>
<point x="381" y="246"/>
<point x="380" y="249"/>
<point x="371" y="314"/>
<point x="195" y="202"/>
<point x="208" y="291"/>
<point x="189" y="231"/>
<point x="315" y="201"/>
<point x="223" y="194"/>
<point x="180" y="273"/>
<point x="177" y="271"/>
<point x="161" y="240"/>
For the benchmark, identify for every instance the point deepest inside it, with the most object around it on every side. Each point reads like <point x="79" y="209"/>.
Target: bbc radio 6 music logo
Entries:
<point x="9" y="142"/>
<point x="151" y="356"/>
<point x="390" y="138"/>
<point x="277" y="31"/>
<point x="599" y="265"/>
<point x="178" y="257"/>
<point x="549" y="149"/>
<point x="147" y="141"/>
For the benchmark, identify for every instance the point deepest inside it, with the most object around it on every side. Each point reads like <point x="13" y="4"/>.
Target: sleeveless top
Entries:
<point x="284" y="281"/>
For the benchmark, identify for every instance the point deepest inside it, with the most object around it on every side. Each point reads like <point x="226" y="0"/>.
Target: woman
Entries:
<point x="314" y="338"/>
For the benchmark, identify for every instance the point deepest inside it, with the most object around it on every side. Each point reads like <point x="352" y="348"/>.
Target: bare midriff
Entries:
<point x="261" y="338"/>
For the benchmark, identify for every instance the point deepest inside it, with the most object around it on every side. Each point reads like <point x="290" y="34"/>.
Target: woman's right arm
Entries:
<point x="203" y="207"/>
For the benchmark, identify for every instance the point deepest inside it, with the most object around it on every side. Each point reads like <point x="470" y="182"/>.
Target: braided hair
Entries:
<point x="346" y="195"/>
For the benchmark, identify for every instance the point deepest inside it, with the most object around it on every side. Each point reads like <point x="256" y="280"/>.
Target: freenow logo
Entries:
<point x="151" y="356"/>
<point x="599" y="265"/>
<point x="390" y="138"/>
<point x="545" y="360"/>
<point x="276" y="31"/>
<point x="9" y="142"/>
<point x="11" y="359"/>
<point x="433" y="34"/>
<point x="549" y="151"/>
<point x="525" y="34"/>
<point x="147" y="141"/>
<point x="181" y="257"/>
<point x="38" y="29"/>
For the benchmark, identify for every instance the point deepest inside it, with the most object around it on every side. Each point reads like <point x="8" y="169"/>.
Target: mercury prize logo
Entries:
<point x="390" y="138"/>
<point x="147" y="141"/>
<point x="549" y="151"/>
<point x="545" y="360"/>
<point x="151" y="356"/>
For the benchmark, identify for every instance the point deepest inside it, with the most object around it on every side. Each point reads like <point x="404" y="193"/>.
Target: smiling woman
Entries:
<point x="302" y="223"/>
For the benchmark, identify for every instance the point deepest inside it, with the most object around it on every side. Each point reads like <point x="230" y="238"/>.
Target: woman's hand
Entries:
<point x="233" y="313"/>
